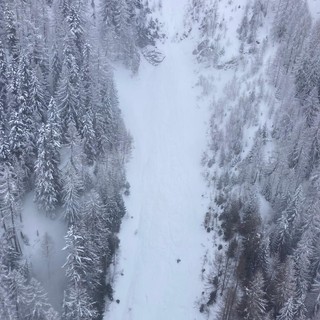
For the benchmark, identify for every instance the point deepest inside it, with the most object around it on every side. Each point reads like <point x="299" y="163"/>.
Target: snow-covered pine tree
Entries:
<point x="80" y="263"/>
<point x="78" y="305"/>
<point x="47" y="184"/>
<point x="19" y="132"/>
<point x="11" y="31"/>
<point x="38" y="99"/>
<point x="254" y="303"/>
<point x="88" y="109"/>
<point x="67" y="96"/>
<point x="287" y="312"/>
<point x="72" y="188"/>
<point x="9" y="199"/>
<point x="54" y="129"/>
<point x="74" y="143"/>
<point x="3" y="82"/>
<point x="55" y="68"/>
<point x="40" y="308"/>
<point x="4" y="144"/>
<point x="75" y="23"/>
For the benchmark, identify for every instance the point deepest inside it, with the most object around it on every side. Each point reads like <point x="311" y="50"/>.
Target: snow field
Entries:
<point x="166" y="205"/>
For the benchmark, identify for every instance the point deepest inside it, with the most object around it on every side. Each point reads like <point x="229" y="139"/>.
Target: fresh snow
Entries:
<point x="314" y="6"/>
<point x="167" y="203"/>
<point x="45" y="257"/>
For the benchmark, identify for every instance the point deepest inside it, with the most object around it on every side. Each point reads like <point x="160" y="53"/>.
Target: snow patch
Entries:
<point x="43" y="240"/>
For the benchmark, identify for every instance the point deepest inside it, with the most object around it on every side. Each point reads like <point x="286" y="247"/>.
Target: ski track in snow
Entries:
<point x="166" y="206"/>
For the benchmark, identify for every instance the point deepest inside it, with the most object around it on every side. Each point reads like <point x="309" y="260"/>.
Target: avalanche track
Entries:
<point x="166" y="204"/>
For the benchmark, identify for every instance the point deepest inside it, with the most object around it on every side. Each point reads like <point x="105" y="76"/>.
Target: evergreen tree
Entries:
<point x="7" y="308"/>
<point x="77" y="302"/>
<point x="88" y="116"/>
<point x="97" y="220"/>
<point x="4" y="145"/>
<point x="71" y="190"/>
<point x="47" y="174"/>
<point x="19" y="136"/>
<point x="11" y="32"/>
<point x="77" y="305"/>
<point x="25" y="77"/>
<point x="74" y="143"/>
<point x="38" y="99"/>
<point x="19" y="293"/>
<point x="78" y="261"/>
<point x="67" y="94"/>
<point x="40" y="309"/>
<point x="55" y="68"/>
<point x="254" y="304"/>
<point x="285" y="284"/>
<point x="89" y="137"/>
<point x="287" y="312"/>
<point x="54" y="130"/>
<point x="76" y="29"/>
<point x="303" y="261"/>
<point x="250" y="231"/>
<point x="3" y="83"/>
<point x="9" y="199"/>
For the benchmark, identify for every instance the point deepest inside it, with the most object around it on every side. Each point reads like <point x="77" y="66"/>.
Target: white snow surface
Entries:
<point x="314" y="6"/>
<point x="166" y="205"/>
<point x="46" y="267"/>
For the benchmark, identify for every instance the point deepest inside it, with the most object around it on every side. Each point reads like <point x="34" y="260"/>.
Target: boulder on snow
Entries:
<point x="153" y="55"/>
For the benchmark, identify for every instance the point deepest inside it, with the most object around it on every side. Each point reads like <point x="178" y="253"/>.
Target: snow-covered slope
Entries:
<point x="161" y="249"/>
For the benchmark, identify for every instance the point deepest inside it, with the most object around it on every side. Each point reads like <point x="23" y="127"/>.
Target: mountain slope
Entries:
<point x="158" y="273"/>
<point x="256" y="65"/>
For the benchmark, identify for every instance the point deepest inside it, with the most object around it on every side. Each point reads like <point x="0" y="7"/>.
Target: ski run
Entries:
<point x="161" y="239"/>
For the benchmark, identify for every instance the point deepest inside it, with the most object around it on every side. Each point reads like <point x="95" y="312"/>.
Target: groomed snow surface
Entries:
<point x="161" y="248"/>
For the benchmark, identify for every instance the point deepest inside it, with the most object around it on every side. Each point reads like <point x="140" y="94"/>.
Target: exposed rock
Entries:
<point x="153" y="55"/>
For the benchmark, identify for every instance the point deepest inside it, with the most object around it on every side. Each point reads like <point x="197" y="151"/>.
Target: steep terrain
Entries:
<point x="255" y="63"/>
<point x="161" y="241"/>
<point x="222" y="99"/>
